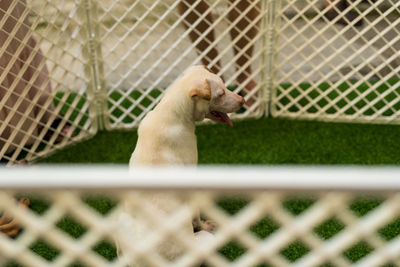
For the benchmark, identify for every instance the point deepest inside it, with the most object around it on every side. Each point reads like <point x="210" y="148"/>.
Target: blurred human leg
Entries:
<point x="198" y="30"/>
<point x="337" y="8"/>
<point x="243" y="46"/>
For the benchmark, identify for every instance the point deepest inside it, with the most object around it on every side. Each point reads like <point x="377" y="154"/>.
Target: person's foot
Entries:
<point x="8" y="225"/>
<point x="345" y="17"/>
<point x="64" y="131"/>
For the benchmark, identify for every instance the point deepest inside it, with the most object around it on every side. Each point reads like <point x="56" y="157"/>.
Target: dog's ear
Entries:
<point x="204" y="92"/>
<point x="204" y="66"/>
<point x="216" y="89"/>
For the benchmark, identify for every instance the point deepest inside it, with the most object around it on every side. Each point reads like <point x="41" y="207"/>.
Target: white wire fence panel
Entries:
<point x="263" y="226"/>
<point x="68" y="67"/>
<point x="339" y="62"/>
<point x="44" y="89"/>
<point x="147" y="44"/>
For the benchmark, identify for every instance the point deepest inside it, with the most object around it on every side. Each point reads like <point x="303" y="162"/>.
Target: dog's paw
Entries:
<point x="208" y="225"/>
<point x="10" y="229"/>
<point x="24" y="202"/>
<point x="8" y="225"/>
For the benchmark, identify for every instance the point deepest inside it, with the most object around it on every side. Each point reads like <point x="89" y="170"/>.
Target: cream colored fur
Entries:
<point x="166" y="136"/>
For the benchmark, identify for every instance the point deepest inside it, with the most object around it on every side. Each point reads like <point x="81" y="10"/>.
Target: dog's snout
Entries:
<point x="242" y="101"/>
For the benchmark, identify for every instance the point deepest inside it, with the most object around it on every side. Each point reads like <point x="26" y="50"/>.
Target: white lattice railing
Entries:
<point x="146" y="46"/>
<point x="44" y="88"/>
<point x="338" y="72"/>
<point x="265" y="216"/>
<point x="87" y="65"/>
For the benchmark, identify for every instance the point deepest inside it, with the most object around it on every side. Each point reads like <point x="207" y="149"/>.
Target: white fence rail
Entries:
<point x="264" y="216"/>
<point x="69" y="68"/>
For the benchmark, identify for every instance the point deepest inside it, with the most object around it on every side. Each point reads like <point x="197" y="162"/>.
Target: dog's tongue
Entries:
<point x="225" y="118"/>
<point x="221" y="117"/>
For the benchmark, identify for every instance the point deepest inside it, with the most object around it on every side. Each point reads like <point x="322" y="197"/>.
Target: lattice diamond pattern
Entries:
<point x="265" y="230"/>
<point x="146" y="46"/>
<point x="88" y="56"/>
<point x="338" y="72"/>
<point x="43" y="79"/>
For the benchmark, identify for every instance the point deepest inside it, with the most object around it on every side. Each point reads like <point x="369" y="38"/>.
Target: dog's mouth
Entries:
<point x="219" y="117"/>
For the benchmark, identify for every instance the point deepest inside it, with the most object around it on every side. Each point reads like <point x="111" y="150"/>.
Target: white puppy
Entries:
<point x="166" y="136"/>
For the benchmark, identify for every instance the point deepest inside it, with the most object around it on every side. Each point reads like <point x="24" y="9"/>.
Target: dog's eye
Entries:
<point x="220" y="93"/>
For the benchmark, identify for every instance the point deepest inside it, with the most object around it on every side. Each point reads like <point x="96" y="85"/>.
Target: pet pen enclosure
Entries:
<point x="313" y="220"/>
<point x="89" y="65"/>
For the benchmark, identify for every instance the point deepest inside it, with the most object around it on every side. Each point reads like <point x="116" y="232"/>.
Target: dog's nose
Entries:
<point x="242" y="101"/>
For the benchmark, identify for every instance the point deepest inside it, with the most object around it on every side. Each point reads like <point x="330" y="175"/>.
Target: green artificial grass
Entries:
<point x="72" y="106"/>
<point x="383" y="94"/>
<point x="127" y="105"/>
<point x="259" y="141"/>
<point x="264" y="141"/>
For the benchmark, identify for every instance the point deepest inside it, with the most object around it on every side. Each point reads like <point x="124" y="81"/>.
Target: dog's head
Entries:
<point x="212" y="99"/>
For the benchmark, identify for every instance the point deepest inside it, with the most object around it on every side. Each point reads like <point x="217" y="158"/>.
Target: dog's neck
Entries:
<point x="181" y="106"/>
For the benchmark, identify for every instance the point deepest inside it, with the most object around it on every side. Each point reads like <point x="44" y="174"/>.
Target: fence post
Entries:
<point x="97" y="94"/>
<point x="269" y="43"/>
